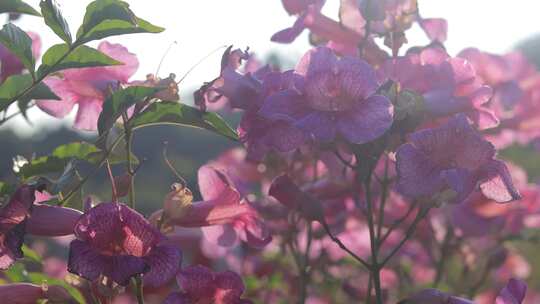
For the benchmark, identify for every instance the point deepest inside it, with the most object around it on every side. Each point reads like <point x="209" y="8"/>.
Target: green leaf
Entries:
<point x="119" y="27"/>
<point x="39" y="278"/>
<point x="119" y="102"/>
<point x="16" y="273"/>
<point x="31" y="254"/>
<point x="16" y="85"/>
<point x="61" y="156"/>
<point x="54" y="19"/>
<point x="19" y="43"/>
<point x="83" y="56"/>
<point x="17" y="6"/>
<point x="160" y="113"/>
<point x="6" y="189"/>
<point x="106" y="18"/>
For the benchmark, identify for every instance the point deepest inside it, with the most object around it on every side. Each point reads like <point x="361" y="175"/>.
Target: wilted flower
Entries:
<point x="223" y="215"/>
<point x="200" y="285"/>
<point x="337" y="98"/>
<point x="453" y="156"/>
<point x="88" y="87"/>
<point x="10" y="64"/>
<point x="115" y="241"/>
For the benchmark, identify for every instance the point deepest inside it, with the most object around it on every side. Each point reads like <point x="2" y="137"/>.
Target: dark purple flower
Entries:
<point x="117" y="242"/>
<point x="13" y="218"/>
<point x="336" y="98"/>
<point x="453" y="156"/>
<point x="202" y="286"/>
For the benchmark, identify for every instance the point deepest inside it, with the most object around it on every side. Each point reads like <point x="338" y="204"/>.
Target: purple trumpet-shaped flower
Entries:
<point x="453" y="156"/>
<point x="202" y="286"/>
<point x="336" y="98"/>
<point x="513" y="293"/>
<point x="224" y="215"/>
<point x="117" y="242"/>
<point x="21" y="293"/>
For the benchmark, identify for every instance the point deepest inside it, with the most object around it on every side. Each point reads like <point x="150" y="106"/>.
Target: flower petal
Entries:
<point x="513" y="293"/>
<point x="197" y="281"/>
<point x="497" y="184"/>
<point x="319" y="126"/>
<point x="85" y="261"/>
<point x="164" y="262"/>
<point x="367" y="120"/>
<point x="435" y="28"/>
<point x="88" y="114"/>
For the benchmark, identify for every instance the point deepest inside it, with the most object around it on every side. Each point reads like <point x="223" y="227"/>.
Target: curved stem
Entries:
<point x="343" y="247"/>
<point x="410" y="231"/>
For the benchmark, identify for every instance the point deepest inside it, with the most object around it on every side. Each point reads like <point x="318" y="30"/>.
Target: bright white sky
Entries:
<point x="200" y="26"/>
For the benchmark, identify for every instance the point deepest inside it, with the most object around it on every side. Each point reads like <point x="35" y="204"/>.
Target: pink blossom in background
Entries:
<point x="88" y="87"/>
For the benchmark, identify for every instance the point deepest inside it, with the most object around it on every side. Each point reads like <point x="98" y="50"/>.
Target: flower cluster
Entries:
<point x="368" y="172"/>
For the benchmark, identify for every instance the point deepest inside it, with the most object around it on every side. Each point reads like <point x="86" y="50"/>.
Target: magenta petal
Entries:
<point x="513" y="293"/>
<point x="164" y="262"/>
<point x="435" y="28"/>
<point x="223" y="235"/>
<point x="88" y="114"/>
<point x="196" y="281"/>
<point x="367" y="120"/>
<point x="85" y="261"/>
<point x="319" y="126"/>
<point x="497" y="183"/>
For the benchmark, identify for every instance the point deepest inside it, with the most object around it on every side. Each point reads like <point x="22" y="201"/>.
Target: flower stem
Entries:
<point x="139" y="289"/>
<point x="129" y="140"/>
<point x="410" y="231"/>
<point x="343" y="247"/>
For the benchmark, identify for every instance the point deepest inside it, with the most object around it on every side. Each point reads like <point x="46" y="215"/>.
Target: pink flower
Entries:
<point x="223" y="215"/>
<point x="88" y="87"/>
<point x="200" y="285"/>
<point x="10" y="64"/>
<point x="448" y="85"/>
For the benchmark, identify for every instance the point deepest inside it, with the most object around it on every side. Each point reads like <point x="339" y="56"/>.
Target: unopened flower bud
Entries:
<point x="177" y="202"/>
<point x="122" y="184"/>
<point x="289" y="194"/>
